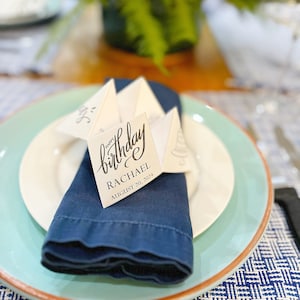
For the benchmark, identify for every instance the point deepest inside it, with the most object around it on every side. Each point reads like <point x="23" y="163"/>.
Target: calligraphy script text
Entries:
<point x="115" y="153"/>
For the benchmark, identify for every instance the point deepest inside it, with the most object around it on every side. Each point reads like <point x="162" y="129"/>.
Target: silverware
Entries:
<point x="288" y="146"/>
<point x="278" y="180"/>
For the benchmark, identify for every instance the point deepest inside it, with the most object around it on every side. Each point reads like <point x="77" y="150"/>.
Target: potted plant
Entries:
<point x="153" y="28"/>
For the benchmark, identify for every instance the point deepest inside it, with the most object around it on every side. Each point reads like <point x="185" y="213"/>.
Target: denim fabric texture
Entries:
<point x="147" y="236"/>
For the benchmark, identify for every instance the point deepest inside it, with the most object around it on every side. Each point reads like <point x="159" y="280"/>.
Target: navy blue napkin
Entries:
<point x="147" y="236"/>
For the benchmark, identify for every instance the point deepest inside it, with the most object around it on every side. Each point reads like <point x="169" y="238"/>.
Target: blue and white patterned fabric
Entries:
<point x="17" y="93"/>
<point x="272" y="271"/>
<point x="20" y="46"/>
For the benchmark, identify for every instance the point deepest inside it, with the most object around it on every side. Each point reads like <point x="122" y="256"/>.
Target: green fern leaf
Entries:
<point x="180" y="23"/>
<point x="143" y="30"/>
<point x="250" y="5"/>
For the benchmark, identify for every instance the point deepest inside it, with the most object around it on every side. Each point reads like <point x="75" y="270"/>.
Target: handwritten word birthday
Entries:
<point x="115" y="153"/>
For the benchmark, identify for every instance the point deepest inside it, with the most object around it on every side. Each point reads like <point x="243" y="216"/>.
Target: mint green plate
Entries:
<point x="217" y="252"/>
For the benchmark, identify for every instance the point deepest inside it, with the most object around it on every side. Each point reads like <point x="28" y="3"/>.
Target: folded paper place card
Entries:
<point x="130" y="139"/>
<point x="99" y="112"/>
<point x="124" y="159"/>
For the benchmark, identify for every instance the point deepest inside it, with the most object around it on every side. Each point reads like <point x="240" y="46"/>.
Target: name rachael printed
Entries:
<point x="124" y="178"/>
<point x="115" y="153"/>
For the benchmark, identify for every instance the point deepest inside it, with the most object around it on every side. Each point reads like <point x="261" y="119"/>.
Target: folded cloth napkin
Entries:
<point x="288" y="199"/>
<point x="147" y="236"/>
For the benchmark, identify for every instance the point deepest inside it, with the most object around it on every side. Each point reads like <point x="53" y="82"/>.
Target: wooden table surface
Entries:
<point x="85" y="58"/>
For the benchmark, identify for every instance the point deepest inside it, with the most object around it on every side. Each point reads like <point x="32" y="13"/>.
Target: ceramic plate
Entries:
<point x="52" y="159"/>
<point x="218" y="251"/>
<point x="49" y="10"/>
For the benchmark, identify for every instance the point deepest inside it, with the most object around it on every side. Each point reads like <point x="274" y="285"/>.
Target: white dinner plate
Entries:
<point x="52" y="160"/>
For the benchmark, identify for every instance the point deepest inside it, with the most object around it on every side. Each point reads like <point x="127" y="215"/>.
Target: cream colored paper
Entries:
<point x="116" y="126"/>
<point x="124" y="159"/>
<point x="170" y="143"/>
<point x="98" y="113"/>
<point x="137" y="98"/>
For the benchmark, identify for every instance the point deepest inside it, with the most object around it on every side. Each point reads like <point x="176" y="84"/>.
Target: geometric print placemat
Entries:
<point x="271" y="272"/>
